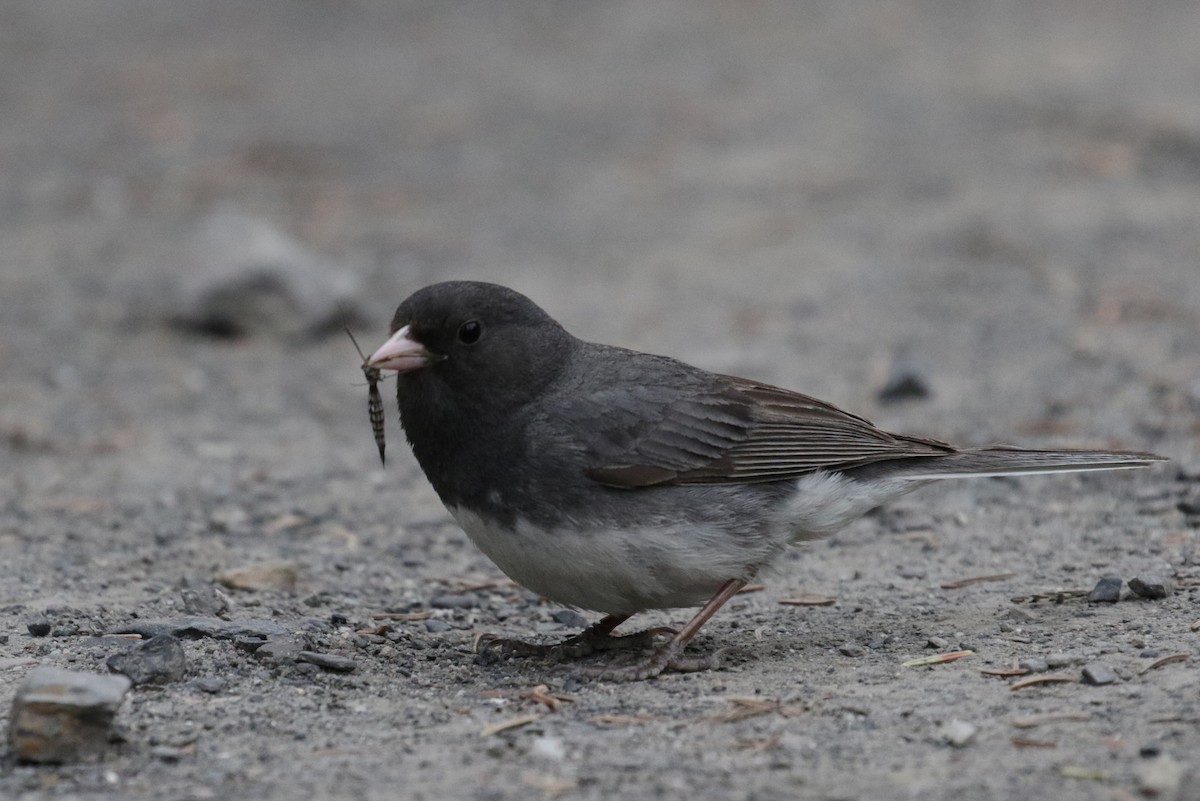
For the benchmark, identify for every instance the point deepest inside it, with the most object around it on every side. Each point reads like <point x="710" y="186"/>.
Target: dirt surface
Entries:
<point x="1003" y="198"/>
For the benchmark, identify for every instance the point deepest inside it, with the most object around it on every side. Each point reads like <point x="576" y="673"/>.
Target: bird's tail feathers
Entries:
<point x="1006" y="461"/>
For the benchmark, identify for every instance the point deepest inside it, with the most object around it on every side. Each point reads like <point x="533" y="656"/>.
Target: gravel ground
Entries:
<point x="1000" y="201"/>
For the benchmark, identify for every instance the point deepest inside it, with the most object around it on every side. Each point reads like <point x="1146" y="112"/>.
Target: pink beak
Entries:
<point x="401" y="353"/>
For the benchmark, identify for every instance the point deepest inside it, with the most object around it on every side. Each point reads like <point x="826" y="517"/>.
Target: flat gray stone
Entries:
<point x="1098" y="673"/>
<point x="64" y="715"/>
<point x="158" y="660"/>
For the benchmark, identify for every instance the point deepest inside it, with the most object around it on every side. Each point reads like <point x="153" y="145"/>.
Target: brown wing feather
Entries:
<point x="739" y="431"/>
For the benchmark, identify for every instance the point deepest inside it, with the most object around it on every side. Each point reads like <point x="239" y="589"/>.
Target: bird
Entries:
<point x="617" y="481"/>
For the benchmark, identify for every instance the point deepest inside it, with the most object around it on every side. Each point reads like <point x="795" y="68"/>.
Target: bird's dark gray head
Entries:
<point x="470" y="340"/>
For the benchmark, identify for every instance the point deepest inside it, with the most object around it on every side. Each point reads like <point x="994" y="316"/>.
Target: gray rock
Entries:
<point x="247" y="277"/>
<point x="1106" y="591"/>
<point x="435" y="626"/>
<point x="64" y="716"/>
<point x="159" y="660"/>
<point x="851" y="649"/>
<point x="38" y="627"/>
<point x="1098" y="673"/>
<point x="939" y="643"/>
<point x="338" y="664"/>
<point x="1152" y="586"/>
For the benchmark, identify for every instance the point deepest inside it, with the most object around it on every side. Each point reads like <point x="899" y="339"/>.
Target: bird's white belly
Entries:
<point x="616" y="572"/>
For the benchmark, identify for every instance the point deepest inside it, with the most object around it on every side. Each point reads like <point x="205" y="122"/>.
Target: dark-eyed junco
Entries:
<point x="618" y="481"/>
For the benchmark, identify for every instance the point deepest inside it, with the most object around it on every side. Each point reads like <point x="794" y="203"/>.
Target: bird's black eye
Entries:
<point x="469" y="332"/>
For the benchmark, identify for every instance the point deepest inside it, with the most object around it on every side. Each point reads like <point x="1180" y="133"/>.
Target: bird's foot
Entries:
<point x="598" y="637"/>
<point x="667" y="658"/>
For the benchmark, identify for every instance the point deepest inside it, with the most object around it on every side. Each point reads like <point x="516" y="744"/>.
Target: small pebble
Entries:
<point x="40" y="627"/>
<point x="1034" y="664"/>
<point x="210" y="684"/>
<point x="204" y="600"/>
<point x="167" y="753"/>
<point x="570" y="618"/>
<point x="334" y="662"/>
<point x="548" y="747"/>
<point x="851" y="649"/>
<point x="1060" y="660"/>
<point x="277" y="576"/>
<point x="906" y="381"/>
<point x="1098" y="673"/>
<point x="1189" y="506"/>
<point x="1106" y="591"/>
<point x="1190" y="471"/>
<point x="938" y="643"/>
<point x="435" y="626"/>
<point x="958" y="733"/>
<point x="1152" y="586"/>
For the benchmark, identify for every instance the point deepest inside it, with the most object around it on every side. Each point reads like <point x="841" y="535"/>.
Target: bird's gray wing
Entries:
<point x="685" y="426"/>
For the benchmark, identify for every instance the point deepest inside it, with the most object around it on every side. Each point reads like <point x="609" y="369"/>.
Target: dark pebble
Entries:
<point x="435" y="626"/>
<point x="1150" y="750"/>
<point x="338" y="664"/>
<point x="906" y="381"/>
<point x="1098" y="673"/>
<point x="337" y="619"/>
<point x="1106" y="591"/>
<point x="1189" y="507"/>
<point x="570" y="618"/>
<point x="159" y="660"/>
<point x="1152" y="586"/>
<point x="464" y="601"/>
<point x="39" y="627"/>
